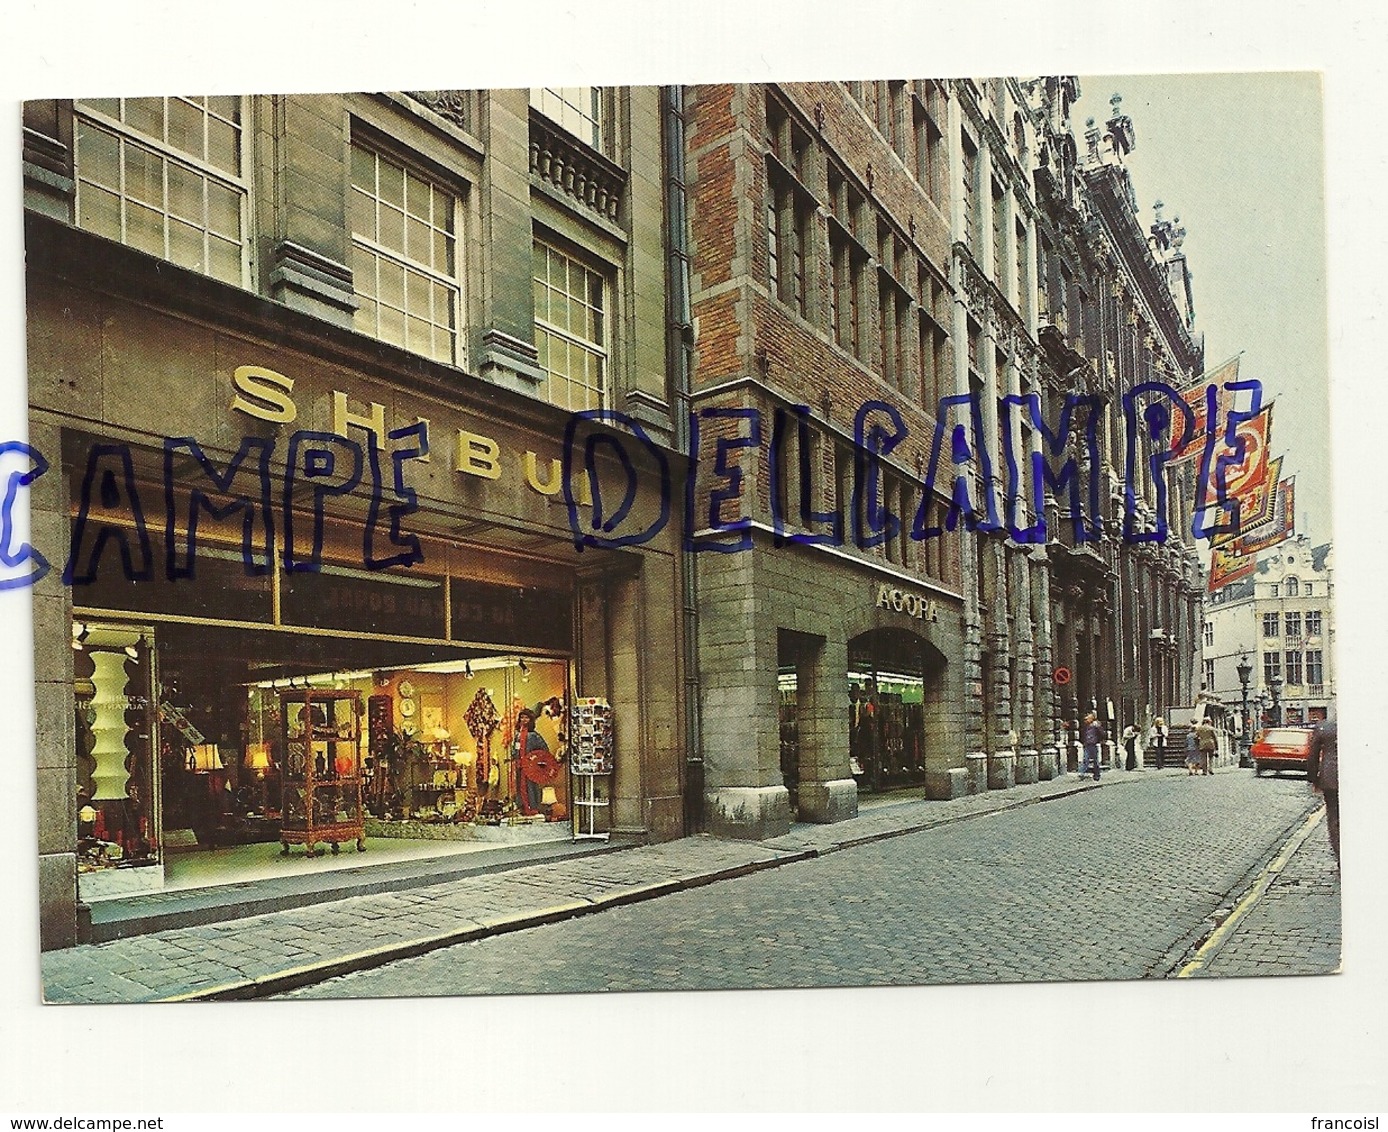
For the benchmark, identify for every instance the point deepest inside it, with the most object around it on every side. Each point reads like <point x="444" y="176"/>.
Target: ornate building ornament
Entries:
<point x="449" y="104"/>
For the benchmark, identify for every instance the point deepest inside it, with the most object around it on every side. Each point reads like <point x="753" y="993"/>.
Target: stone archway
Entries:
<point x="897" y="725"/>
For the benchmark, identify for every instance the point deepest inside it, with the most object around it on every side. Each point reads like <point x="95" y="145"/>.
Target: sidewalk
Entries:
<point x="1289" y="923"/>
<point x="265" y="954"/>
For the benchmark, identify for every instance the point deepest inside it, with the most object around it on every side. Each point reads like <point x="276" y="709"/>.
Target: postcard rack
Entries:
<point x="590" y="762"/>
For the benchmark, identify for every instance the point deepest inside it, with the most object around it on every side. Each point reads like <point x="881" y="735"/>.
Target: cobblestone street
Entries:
<point x="1116" y="883"/>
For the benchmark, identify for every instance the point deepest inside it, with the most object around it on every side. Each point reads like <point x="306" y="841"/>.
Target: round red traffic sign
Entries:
<point x="1062" y="675"/>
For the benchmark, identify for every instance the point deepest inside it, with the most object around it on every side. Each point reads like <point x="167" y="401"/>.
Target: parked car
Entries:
<point x="1282" y="748"/>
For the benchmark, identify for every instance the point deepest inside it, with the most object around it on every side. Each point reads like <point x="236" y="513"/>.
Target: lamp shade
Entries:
<point x="548" y="797"/>
<point x="258" y="756"/>
<point x="86" y="815"/>
<point x="205" y="757"/>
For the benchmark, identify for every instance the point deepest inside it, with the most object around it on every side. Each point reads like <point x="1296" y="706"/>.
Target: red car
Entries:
<point x="1282" y="748"/>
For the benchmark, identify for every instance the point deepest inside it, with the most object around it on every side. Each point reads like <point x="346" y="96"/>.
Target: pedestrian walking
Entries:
<point x="1160" y="729"/>
<point x="1323" y="770"/>
<point x="1092" y="735"/>
<point x="1130" y="745"/>
<point x="1206" y="743"/>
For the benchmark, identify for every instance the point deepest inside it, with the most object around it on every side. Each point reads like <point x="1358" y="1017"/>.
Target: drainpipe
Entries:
<point x="679" y="355"/>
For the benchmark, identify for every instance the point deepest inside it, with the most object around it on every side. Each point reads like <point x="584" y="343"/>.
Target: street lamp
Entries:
<point x="1245" y="670"/>
<point x="1275" y="684"/>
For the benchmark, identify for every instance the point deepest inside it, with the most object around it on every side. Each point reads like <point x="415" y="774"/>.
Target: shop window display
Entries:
<point x="322" y="791"/>
<point x="889" y="677"/>
<point x="116" y="821"/>
<point x="449" y="745"/>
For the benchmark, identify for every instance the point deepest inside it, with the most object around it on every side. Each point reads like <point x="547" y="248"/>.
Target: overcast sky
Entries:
<point x="1239" y="158"/>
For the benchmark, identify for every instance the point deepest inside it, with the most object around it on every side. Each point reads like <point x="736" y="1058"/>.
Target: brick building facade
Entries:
<point x="893" y="244"/>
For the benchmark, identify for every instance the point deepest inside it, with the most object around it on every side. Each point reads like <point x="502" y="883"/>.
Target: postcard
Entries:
<point x="726" y="535"/>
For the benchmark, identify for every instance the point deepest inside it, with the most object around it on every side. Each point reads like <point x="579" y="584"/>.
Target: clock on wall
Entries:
<point x="406" y="708"/>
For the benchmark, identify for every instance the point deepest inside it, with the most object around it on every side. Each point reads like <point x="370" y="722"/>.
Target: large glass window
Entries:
<point x="164" y="175"/>
<point x="1313" y="623"/>
<point x="1314" y="667"/>
<point x="571" y="331"/>
<point x="1270" y="623"/>
<point x="404" y="256"/>
<point x="1293" y="667"/>
<point x="577" y="108"/>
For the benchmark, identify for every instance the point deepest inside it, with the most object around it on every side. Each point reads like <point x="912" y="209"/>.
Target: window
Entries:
<point x="577" y="108"/>
<point x="1270" y="623"/>
<point x="1209" y="675"/>
<point x="1292" y="622"/>
<point x="1023" y="294"/>
<point x="1293" y="666"/>
<point x="787" y="225"/>
<point x="1276" y="590"/>
<point x="1001" y="264"/>
<point x="970" y="193"/>
<point x="1293" y="587"/>
<point x="404" y="256"/>
<point x="1314" y="674"/>
<point x="164" y="175"/>
<point x="1209" y="634"/>
<point x="1306" y="590"/>
<point x="570" y="328"/>
<point x="934" y="379"/>
<point x="928" y="140"/>
<point x="1272" y="666"/>
<point x="1313" y="623"/>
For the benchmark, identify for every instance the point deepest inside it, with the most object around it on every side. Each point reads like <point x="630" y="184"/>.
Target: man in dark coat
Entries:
<point x="1323" y="769"/>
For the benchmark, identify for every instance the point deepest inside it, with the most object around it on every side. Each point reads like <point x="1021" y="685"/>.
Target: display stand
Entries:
<point x="590" y="759"/>
<point x="321" y="774"/>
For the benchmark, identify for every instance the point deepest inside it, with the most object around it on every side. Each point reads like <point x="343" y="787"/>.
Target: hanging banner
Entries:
<point x="1280" y="529"/>
<point x="1189" y="445"/>
<point x="1257" y="505"/>
<point x="1250" y="474"/>
<point x="1229" y="565"/>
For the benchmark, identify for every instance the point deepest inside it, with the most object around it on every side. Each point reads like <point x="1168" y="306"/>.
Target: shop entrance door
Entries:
<point x="895" y="683"/>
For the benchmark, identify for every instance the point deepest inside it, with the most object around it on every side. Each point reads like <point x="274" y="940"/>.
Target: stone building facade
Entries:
<point x="1117" y="312"/>
<point x="469" y="267"/>
<point x="1282" y="619"/>
<point x="893" y="244"/>
<point x="790" y="291"/>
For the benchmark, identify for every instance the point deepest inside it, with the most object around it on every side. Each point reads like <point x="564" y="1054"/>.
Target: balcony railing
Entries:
<point x="574" y="169"/>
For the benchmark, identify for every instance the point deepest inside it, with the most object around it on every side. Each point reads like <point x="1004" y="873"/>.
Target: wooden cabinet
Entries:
<point x="322" y="791"/>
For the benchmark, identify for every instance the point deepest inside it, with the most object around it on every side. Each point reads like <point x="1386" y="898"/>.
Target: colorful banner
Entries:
<point x="1257" y="505"/>
<point x="1281" y="528"/>
<point x="1189" y="445"/>
<point x="1228" y="564"/>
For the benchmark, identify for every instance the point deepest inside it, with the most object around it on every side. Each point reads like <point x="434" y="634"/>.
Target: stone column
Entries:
<point x="55" y="735"/>
<point x="1024" y="710"/>
<point x="828" y="792"/>
<point x="744" y="795"/>
<point x="506" y="352"/>
<point x="1045" y="705"/>
<point x="1002" y="752"/>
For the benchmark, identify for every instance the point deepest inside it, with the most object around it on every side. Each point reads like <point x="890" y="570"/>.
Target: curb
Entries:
<point x="293" y="978"/>
<point x="108" y="931"/>
<point x="1208" y="950"/>
<point x="308" y="974"/>
<point x="869" y="838"/>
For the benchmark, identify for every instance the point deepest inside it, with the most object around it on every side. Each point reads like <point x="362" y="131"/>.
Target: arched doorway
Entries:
<point x="895" y="692"/>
